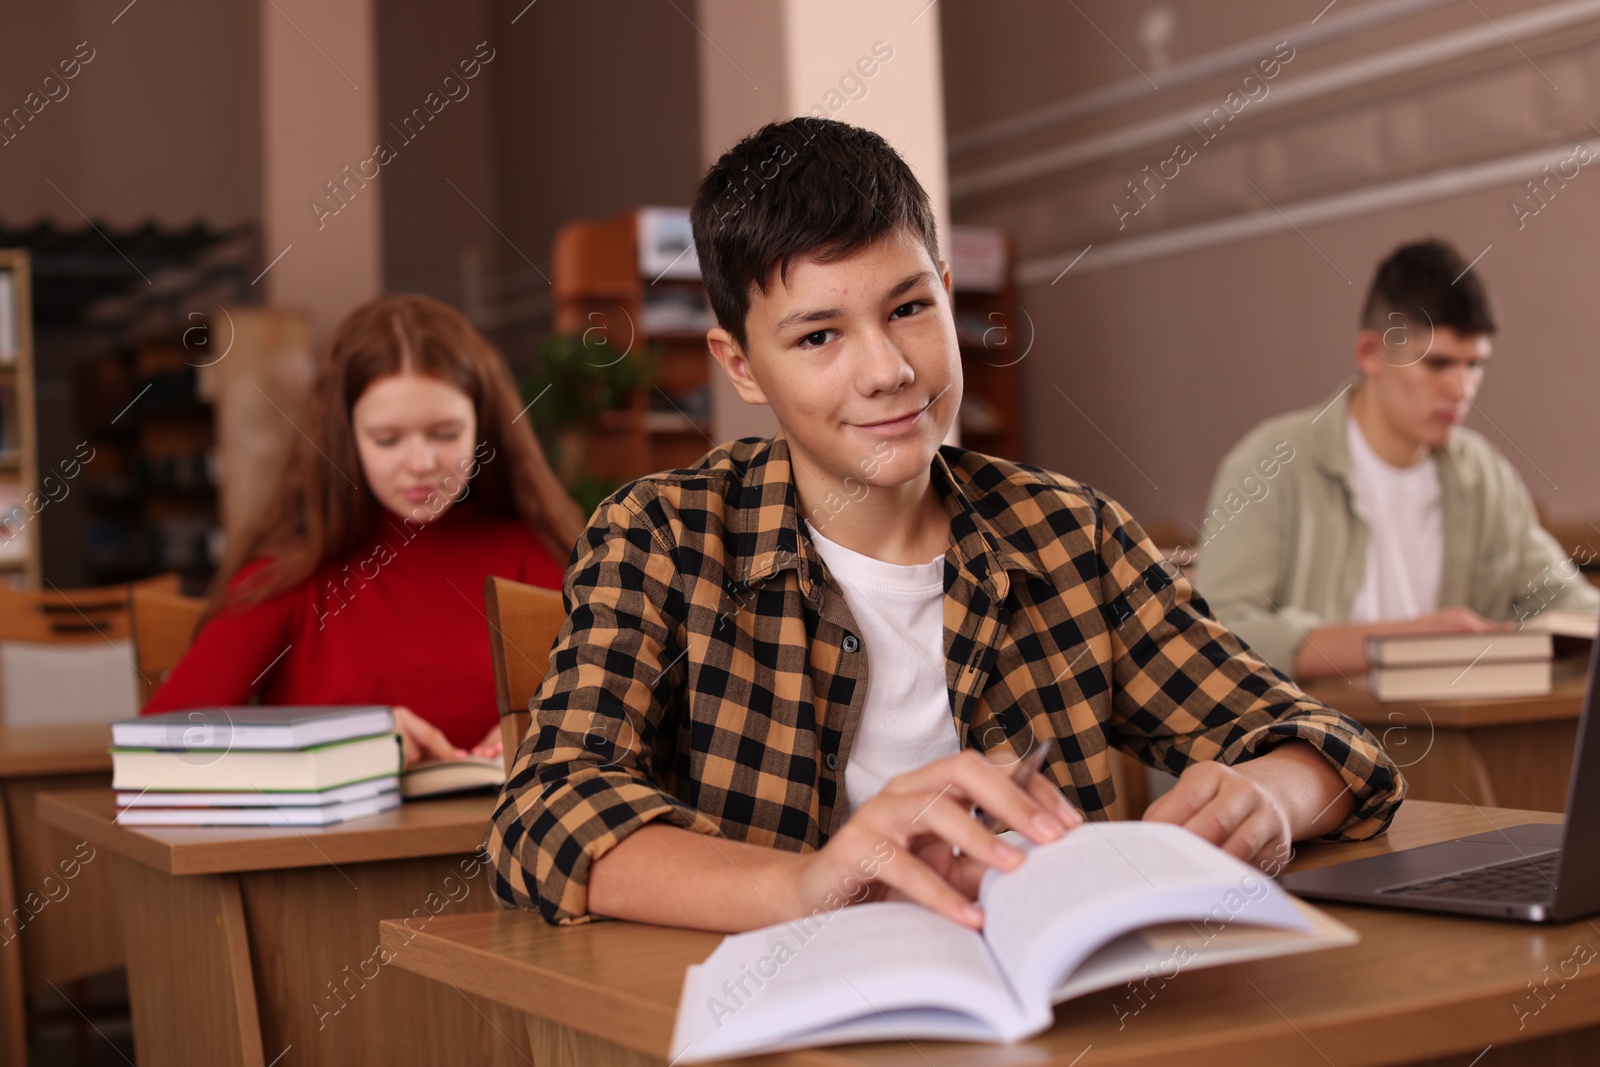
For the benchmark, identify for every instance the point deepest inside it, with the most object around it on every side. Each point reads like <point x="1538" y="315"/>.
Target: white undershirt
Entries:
<point x="1405" y="549"/>
<point x="905" y="720"/>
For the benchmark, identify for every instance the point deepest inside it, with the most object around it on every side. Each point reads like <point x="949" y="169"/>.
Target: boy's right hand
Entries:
<point x="902" y="843"/>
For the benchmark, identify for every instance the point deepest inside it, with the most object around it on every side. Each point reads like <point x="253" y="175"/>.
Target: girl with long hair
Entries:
<point x="416" y="475"/>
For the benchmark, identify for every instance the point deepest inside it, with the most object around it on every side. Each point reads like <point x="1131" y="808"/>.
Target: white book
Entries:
<point x="9" y="341"/>
<point x="305" y="771"/>
<point x="1501" y="646"/>
<point x="1462" y="681"/>
<point x="1090" y="911"/>
<point x="1579" y="624"/>
<point x="255" y="798"/>
<point x="252" y="727"/>
<point x="666" y="244"/>
<point x="432" y="778"/>
<point x="307" y="815"/>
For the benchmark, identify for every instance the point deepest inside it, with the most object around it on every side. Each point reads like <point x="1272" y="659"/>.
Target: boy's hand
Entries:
<point x="901" y="843"/>
<point x="1228" y="808"/>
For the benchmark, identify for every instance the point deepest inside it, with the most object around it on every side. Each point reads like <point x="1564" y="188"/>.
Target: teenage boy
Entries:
<point x="710" y="747"/>
<point x="1382" y="513"/>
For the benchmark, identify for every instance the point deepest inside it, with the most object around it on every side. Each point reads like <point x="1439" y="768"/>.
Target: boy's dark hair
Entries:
<point x="796" y="188"/>
<point x="1428" y="281"/>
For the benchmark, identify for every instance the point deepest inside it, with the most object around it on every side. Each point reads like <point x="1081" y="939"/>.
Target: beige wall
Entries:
<point x="595" y="113"/>
<point x="322" y="178"/>
<point x="161" y="124"/>
<point x="875" y="64"/>
<point x="1207" y="311"/>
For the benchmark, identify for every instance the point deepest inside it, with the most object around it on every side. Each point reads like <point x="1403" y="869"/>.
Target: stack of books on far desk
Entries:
<point x="1477" y="666"/>
<point x="1459" y="666"/>
<point x="255" y="766"/>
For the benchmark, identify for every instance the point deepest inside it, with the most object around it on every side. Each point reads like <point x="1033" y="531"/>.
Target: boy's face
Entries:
<point x="858" y="359"/>
<point x="1424" y="395"/>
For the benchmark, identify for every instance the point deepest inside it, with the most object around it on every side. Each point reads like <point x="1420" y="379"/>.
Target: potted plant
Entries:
<point x="580" y="378"/>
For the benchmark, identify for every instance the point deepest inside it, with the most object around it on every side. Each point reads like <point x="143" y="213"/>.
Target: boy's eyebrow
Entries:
<point x="822" y="314"/>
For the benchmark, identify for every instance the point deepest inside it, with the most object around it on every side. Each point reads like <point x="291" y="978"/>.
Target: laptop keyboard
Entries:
<point x="1518" y="881"/>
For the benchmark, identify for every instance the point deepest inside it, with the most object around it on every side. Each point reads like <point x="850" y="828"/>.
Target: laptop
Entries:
<point x="1530" y="873"/>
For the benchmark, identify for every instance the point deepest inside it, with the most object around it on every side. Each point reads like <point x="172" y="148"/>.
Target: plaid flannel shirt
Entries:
<point x="710" y="676"/>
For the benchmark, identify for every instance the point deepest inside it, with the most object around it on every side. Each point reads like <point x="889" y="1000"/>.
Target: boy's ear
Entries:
<point x="735" y="364"/>
<point x="944" y="274"/>
<point x="1369" y="353"/>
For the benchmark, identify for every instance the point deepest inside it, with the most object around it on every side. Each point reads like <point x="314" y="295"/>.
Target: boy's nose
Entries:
<point x="884" y="369"/>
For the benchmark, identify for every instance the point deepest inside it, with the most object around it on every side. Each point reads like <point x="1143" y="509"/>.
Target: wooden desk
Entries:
<point x="52" y="928"/>
<point x="1514" y="753"/>
<point x="1417" y="986"/>
<point x="242" y="943"/>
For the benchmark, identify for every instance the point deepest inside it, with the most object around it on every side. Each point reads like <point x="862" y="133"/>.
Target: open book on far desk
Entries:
<point x="1106" y="904"/>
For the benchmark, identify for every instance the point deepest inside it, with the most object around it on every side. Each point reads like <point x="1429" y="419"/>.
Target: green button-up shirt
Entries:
<point x="1283" y="545"/>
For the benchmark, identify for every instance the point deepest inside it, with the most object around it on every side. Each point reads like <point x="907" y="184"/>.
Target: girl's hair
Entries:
<point x="323" y="508"/>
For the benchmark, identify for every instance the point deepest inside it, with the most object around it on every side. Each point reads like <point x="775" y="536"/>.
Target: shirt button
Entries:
<point x="850" y="644"/>
<point x="832" y="761"/>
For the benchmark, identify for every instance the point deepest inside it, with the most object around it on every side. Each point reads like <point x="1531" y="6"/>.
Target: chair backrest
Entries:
<point x="66" y="654"/>
<point x="67" y="615"/>
<point x="163" y="628"/>
<point x="523" y="623"/>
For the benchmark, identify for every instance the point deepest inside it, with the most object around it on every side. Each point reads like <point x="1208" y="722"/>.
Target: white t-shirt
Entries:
<point x="1405" y="549"/>
<point x="906" y="720"/>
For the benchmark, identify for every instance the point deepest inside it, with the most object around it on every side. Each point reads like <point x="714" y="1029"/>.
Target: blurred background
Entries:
<point x="214" y="186"/>
<point x="1161" y="218"/>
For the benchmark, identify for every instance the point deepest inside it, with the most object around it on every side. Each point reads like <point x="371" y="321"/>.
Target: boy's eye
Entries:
<point x="815" y="340"/>
<point x="909" y="308"/>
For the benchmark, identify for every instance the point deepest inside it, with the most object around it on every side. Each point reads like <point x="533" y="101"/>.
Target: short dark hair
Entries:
<point x="1429" y="281"/>
<point x="796" y="188"/>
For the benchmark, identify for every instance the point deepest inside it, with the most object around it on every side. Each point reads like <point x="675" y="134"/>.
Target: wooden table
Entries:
<point x="53" y="928"/>
<point x="243" y="943"/>
<point x="1514" y="753"/>
<point x="1416" y="987"/>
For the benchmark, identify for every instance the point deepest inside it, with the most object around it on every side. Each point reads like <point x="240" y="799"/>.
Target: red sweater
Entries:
<point x="399" y="621"/>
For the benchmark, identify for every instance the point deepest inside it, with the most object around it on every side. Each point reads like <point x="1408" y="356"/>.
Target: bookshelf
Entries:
<point x="151" y="492"/>
<point x="20" y="501"/>
<point x="633" y="278"/>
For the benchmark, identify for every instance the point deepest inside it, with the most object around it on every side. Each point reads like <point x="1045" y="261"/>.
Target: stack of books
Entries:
<point x="255" y="766"/>
<point x="1460" y="666"/>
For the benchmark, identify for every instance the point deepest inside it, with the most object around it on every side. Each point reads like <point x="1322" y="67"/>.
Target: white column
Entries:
<point x="319" y="125"/>
<point x="782" y="58"/>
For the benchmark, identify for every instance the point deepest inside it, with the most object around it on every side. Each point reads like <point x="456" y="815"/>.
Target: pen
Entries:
<point x="1024" y="769"/>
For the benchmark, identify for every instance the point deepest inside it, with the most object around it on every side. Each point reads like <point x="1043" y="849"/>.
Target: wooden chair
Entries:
<point x="52" y="615"/>
<point x="523" y="623"/>
<point x="49" y="953"/>
<point x="164" y="625"/>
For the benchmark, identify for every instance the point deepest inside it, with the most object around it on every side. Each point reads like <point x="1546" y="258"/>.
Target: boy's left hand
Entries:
<point x="1230" y="809"/>
<point x="1255" y="810"/>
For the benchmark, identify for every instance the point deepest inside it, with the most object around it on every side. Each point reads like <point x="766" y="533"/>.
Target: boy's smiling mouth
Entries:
<point x="896" y="425"/>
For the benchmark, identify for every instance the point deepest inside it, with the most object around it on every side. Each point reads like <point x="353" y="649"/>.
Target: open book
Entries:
<point x="1092" y="910"/>
<point x="432" y="778"/>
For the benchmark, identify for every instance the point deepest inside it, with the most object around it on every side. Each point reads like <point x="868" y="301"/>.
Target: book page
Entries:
<point x="869" y="971"/>
<point x="1580" y="624"/>
<point x="1147" y="959"/>
<point x="1103" y="880"/>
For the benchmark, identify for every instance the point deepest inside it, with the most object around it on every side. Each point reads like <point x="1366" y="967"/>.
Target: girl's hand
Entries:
<point x="420" y="739"/>
<point x="492" y="744"/>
